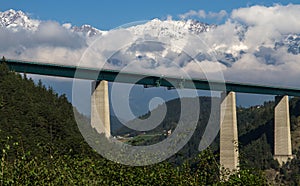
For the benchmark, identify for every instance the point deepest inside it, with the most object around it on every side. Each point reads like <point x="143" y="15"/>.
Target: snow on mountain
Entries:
<point x="198" y="27"/>
<point x="164" y="40"/>
<point x="17" y="19"/>
<point x="292" y="42"/>
<point x="87" y="30"/>
<point x="171" y="30"/>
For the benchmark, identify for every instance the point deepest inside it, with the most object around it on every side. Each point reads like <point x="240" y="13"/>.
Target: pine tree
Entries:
<point x="3" y="59"/>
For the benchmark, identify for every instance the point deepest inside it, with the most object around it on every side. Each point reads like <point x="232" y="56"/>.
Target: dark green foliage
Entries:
<point x="290" y="172"/>
<point x="26" y="169"/>
<point x="35" y="115"/>
<point x="260" y="158"/>
<point x="247" y="177"/>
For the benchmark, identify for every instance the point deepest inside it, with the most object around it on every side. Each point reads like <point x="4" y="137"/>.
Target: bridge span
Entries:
<point x="228" y="124"/>
<point x="49" y="69"/>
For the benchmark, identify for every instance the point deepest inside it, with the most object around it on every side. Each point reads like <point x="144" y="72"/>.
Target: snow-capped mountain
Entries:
<point x="292" y="42"/>
<point x="171" y="30"/>
<point x="17" y="20"/>
<point x="198" y="27"/>
<point x="87" y="30"/>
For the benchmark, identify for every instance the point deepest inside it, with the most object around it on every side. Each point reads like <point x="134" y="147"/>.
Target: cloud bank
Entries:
<point x="264" y="42"/>
<point x="49" y="42"/>
<point x="204" y="15"/>
<point x="256" y="44"/>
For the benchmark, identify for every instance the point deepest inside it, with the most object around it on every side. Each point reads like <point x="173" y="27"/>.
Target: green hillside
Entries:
<point x="36" y="115"/>
<point x="256" y="136"/>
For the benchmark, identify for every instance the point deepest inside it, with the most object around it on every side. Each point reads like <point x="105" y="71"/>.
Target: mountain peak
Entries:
<point x="199" y="27"/>
<point x="88" y="30"/>
<point x="170" y="28"/>
<point x="17" y="19"/>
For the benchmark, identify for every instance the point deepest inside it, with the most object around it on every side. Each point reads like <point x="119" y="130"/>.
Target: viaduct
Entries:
<point x="228" y="125"/>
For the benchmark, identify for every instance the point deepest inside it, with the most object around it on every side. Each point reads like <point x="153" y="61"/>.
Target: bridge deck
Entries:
<point x="110" y="75"/>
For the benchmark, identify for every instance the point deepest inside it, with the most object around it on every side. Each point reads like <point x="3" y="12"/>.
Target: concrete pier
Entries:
<point x="228" y="133"/>
<point x="282" y="134"/>
<point x="100" y="116"/>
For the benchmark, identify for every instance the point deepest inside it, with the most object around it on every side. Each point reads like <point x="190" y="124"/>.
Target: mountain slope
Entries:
<point x="36" y="116"/>
<point x="256" y="137"/>
<point x="17" y="20"/>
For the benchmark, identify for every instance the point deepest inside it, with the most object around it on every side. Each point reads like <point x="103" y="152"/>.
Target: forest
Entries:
<point x="41" y="144"/>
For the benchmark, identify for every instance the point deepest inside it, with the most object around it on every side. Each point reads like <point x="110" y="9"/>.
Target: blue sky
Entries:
<point x="108" y="14"/>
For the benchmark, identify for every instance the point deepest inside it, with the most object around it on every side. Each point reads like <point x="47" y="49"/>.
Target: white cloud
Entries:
<point x="50" y="42"/>
<point x="67" y="25"/>
<point x="169" y="17"/>
<point x="284" y="19"/>
<point x="204" y="15"/>
<point x="193" y="13"/>
<point x="53" y="34"/>
<point x="267" y="24"/>
<point x="255" y="30"/>
<point x="217" y="15"/>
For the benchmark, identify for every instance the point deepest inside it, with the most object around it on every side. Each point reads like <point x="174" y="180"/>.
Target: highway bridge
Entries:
<point x="228" y="124"/>
<point x="48" y="69"/>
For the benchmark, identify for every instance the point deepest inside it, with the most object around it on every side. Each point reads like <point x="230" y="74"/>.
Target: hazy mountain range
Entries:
<point x="256" y="44"/>
<point x="160" y="46"/>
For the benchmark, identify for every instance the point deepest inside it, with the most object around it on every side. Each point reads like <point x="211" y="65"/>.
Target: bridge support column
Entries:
<point x="282" y="134"/>
<point x="100" y="116"/>
<point x="228" y="133"/>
